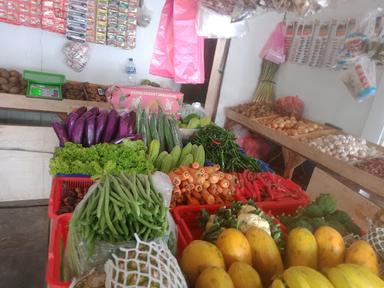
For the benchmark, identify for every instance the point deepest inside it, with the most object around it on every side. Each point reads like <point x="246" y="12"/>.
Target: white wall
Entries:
<point x="326" y="99"/>
<point x="243" y="64"/>
<point x="30" y="48"/>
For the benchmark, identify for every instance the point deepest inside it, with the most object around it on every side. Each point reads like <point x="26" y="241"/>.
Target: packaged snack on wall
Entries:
<point x="288" y="36"/>
<point x="77" y="55"/>
<point x="320" y="43"/>
<point x="360" y="78"/>
<point x="54" y="15"/>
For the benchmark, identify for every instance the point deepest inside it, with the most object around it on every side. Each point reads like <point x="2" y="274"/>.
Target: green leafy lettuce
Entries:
<point x="101" y="158"/>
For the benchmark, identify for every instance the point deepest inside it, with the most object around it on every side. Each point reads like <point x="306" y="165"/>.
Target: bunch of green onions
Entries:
<point x="265" y="88"/>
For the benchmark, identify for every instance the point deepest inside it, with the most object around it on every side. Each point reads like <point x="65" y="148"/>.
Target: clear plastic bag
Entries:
<point x="358" y="40"/>
<point x="211" y="24"/>
<point x="360" y="78"/>
<point x="274" y="49"/>
<point x="238" y="10"/>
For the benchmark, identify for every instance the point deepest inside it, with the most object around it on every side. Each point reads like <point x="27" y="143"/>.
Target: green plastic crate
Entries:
<point x="44" y="85"/>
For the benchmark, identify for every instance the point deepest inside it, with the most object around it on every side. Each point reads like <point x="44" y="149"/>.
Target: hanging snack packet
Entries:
<point x="360" y="78"/>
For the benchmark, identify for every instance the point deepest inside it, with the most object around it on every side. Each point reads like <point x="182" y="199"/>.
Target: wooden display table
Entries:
<point x="23" y="103"/>
<point x="296" y="152"/>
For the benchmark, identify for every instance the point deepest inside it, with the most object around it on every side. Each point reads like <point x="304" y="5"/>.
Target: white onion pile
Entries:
<point x="346" y="148"/>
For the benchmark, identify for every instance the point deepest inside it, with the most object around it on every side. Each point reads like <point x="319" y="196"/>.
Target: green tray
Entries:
<point x="44" y="85"/>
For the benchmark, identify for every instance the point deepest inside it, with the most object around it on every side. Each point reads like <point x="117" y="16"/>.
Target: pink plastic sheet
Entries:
<point x="162" y="58"/>
<point x="189" y="48"/>
<point x="274" y="49"/>
<point x="179" y="52"/>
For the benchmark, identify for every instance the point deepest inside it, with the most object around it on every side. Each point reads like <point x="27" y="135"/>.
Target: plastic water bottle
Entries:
<point x="131" y="71"/>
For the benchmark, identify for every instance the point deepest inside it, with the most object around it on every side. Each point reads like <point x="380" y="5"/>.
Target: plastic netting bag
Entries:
<point x="360" y="78"/>
<point x="290" y="106"/>
<point x="274" y="49"/>
<point x="148" y="264"/>
<point x="211" y="24"/>
<point x="77" y="55"/>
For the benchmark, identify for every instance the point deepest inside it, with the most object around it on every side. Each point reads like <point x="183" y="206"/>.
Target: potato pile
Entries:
<point x="12" y="82"/>
<point x="84" y="91"/>
<point x="290" y="125"/>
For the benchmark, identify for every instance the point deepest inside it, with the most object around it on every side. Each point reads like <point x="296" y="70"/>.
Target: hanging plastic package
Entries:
<point x="188" y="46"/>
<point x="76" y="55"/>
<point x="360" y="78"/>
<point x="274" y="49"/>
<point x="211" y="24"/>
<point x="162" y="57"/>
<point x="358" y="40"/>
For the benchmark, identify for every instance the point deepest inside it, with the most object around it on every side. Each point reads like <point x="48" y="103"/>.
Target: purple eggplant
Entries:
<point x="70" y="123"/>
<point x="101" y="123"/>
<point x="80" y="111"/>
<point x="112" y="125"/>
<point x="94" y="110"/>
<point x="123" y="127"/>
<point x="78" y="131"/>
<point x="60" y="132"/>
<point x="90" y="130"/>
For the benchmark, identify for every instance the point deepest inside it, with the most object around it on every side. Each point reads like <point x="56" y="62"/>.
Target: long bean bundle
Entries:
<point x="220" y="148"/>
<point x="265" y="88"/>
<point x="119" y="207"/>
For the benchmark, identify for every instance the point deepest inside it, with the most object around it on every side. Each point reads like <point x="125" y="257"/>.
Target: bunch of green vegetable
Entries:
<point x="265" y="90"/>
<point x="241" y="217"/>
<point x="166" y="162"/>
<point x="117" y="208"/>
<point x="158" y="126"/>
<point x="129" y="156"/>
<point x="220" y="148"/>
<point x="322" y="211"/>
<point x="194" y="121"/>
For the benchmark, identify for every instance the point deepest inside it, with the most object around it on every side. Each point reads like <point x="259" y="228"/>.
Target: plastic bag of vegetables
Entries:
<point x="148" y="264"/>
<point x="113" y="211"/>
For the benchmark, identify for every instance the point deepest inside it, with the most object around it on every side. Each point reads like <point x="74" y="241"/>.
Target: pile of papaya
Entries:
<point x="312" y="258"/>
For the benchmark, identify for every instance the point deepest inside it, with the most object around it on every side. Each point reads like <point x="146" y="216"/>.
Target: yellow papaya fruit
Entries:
<point x="301" y="248"/>
<point x="214" y="277"/>
<point x="234" y="246"/>
<point x="244" y="276"/>
<point x="330" y="247"/>
<point x="266" y="258"/>
<point x="361" y="253"/>
<point x="197" y="256"/>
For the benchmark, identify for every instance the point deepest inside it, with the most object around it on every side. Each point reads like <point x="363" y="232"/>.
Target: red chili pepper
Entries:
<point x="216" y="142"/>
<point x="257" y="191"/>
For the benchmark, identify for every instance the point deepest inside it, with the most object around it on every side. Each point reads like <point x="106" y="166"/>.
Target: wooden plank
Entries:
<point x="358" y="207"/>
<point x="367" y="181"/>
<point x="32" y="138"/>
<point x="21" y="102"/>
<point x="213" y="92"/>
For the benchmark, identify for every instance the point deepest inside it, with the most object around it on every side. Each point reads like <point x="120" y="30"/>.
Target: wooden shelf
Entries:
<point x="21" y="102"/>
<point x="367" y="181"/>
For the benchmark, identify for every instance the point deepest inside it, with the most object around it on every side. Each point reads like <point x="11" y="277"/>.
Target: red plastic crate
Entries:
<point x="186" y="219"/>
<point x="57" y="244"/>
<point x="60" y="186"/>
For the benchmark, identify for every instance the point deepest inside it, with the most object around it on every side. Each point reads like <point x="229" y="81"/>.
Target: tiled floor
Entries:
<point x="23" y="246"/>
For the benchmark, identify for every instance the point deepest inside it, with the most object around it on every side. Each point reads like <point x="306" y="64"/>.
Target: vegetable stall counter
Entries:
<point x="293" y="145"/>
<point x="21" y="102"/>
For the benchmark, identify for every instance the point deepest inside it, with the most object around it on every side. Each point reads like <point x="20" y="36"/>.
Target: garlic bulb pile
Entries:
<point x="346" y="148"/>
